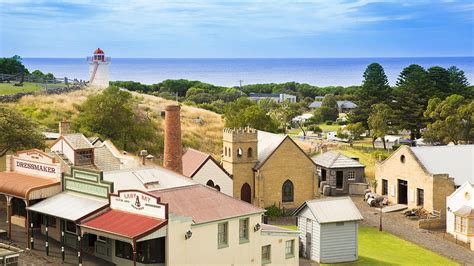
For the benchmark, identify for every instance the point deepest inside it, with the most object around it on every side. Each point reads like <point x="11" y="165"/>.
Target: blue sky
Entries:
<point x="250" y="28"/>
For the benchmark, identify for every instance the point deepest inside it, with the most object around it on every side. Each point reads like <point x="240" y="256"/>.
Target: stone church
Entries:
<point x="268" y="169"/>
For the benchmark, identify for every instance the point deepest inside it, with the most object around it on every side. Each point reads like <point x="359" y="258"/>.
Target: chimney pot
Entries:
<point x="173" y="148"/>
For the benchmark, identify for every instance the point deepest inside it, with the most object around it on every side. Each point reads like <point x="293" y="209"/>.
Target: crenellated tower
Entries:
<point x="239" y="157"/>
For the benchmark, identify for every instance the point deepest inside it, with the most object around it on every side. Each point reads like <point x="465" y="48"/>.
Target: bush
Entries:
<point x="273" y="211"/>
<point x="379" y="155"/>
<point x="328" y="123"/>
<point x="341" y="123"/>
<point x="396" y="146"/>
<point x="315" y="128"/>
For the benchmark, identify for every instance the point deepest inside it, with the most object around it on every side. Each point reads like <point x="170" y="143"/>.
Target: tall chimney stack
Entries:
<point x="64" y="127"/>
<point x="173" y="149"/>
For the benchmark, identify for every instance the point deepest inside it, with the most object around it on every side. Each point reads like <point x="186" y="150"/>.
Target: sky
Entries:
<point x="237" y="29"/>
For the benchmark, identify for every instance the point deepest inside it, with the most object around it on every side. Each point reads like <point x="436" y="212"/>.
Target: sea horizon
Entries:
<point x="316" y="71"/>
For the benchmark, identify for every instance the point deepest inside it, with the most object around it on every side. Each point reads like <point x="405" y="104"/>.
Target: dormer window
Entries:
<point x="84" y="157"/>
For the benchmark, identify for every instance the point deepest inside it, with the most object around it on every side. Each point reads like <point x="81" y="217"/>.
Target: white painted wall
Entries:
<point x="308" y="224"/>
<point x="101" y="78"/>
<point x="63" y="147"/>
<point x="338" y="242"/>
<point x="211" y="171"/>
<point x="453" y="203"/>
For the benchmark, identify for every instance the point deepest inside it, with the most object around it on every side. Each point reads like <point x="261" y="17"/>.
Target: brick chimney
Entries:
<point x="64" y="127"/>
<point x="173" y="149"/>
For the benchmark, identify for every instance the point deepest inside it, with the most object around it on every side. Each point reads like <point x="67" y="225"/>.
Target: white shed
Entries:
<point x="329" y="229"/>
<point x="460" y="214"/>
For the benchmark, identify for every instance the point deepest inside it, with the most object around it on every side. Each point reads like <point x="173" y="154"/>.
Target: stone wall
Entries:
<point x="431" y="224"/>
<point x="55" y="90"/>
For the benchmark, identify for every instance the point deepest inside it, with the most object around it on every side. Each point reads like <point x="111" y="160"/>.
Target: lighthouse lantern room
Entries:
<point x="99" y="69"/>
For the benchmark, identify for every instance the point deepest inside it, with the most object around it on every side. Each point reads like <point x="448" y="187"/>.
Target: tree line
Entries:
<point x="14" y="66"/>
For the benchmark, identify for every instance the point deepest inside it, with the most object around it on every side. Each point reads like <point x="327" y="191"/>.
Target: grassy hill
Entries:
<point x="9" y="88"/>
<point x="201" y="129"/>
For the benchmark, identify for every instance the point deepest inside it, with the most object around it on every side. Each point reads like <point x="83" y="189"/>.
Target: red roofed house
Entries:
<point x="204" y="169"/>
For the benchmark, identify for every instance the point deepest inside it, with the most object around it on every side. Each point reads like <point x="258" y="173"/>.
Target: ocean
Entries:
<point x="228" y="72"/>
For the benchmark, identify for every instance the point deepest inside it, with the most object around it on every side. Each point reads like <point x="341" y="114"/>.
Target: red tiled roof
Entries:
<point x="20" y="185"/>
<point x="124" y="223"/>
<point x="204" y="204"/>
<point x="192" y="160"/>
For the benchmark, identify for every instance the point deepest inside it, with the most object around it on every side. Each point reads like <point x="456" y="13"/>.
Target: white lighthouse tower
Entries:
<point x="99" y="69"/>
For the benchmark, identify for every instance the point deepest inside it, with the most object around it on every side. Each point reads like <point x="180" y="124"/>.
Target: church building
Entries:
<point x="268" y="169"/>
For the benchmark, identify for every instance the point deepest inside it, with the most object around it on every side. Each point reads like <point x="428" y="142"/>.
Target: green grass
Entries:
<point x="382" y="248"/>
<point x="333" y="127"/>
<point x="9" y="88"/>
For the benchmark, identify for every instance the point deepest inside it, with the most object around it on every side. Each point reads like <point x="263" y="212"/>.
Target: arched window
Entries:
<point x="239" y="152"/>
<point x="218" y="188"/>
<point x="402" y="158"/>
<point x="246" y="193"/>
<point x="287" y="191"/>
<point x="225" y="151"/>
<point x="249" y="153"/>
<point x="210" y="183"/>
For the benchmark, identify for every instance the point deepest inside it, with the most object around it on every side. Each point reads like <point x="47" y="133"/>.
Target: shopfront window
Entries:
<point x="150" y="251"/>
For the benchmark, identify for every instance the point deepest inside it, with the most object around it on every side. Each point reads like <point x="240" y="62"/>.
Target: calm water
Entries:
<point x="228" y="72"/>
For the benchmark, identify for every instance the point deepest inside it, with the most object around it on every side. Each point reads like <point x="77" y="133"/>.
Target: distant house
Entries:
<point x="339" y="172"/>
<point x="329" y="229"/>
<point x="390" y="141"/>
<point x="422" y="177"/>
<point x="272" y="96"/>
<point x="460" y="213"/>
<point x="204" y="169"/>
<point x="343" y="106"/>
<point x="302" y="118"/>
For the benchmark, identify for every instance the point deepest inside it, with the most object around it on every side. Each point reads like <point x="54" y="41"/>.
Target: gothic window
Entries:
<point x="239" y="152"/>
<point x="249" y="153"/>
<point x="287" y="191"/>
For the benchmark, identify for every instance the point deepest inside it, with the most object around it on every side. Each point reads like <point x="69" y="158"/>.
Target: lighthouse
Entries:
<point x="99" y="69"/>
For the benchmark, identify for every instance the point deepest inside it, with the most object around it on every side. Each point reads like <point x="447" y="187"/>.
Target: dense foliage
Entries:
<point x="17" y="132"/>
<point x="114" y="114"/>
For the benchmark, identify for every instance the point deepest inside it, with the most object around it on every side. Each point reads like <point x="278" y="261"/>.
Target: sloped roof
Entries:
<point x="78" y="141"/>
<point x="204" y="204"/>
<point x="273" y="95"/>
<point x="142" y="177"/>
<point x="69" y="205"/>
<point x="455" y="160"/>
<point x="267" y="143"/>
<point x="332" y="159"/>
<point x="332" y="210"/>
<point x="346" y="104"/>
<point x="315" y="104"/>
<point x="124" y="223"/>
<point x="20" y="185"/>
<point x="192" y="161"/>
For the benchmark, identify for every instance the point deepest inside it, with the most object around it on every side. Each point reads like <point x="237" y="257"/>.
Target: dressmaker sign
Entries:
<point x="35" y="162"/>
<point x="138" y="202"/>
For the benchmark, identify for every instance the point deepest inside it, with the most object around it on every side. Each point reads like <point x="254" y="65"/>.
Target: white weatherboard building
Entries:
<point x="460" y="214"/>
<point x="99" y="69"/>
<point x="329" y="229"/>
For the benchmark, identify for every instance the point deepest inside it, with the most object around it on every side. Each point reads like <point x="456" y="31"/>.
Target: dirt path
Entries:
<point x="396" y="223"/>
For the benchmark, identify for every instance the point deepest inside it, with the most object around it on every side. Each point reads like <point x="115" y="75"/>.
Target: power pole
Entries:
<point x="240" y="86"/>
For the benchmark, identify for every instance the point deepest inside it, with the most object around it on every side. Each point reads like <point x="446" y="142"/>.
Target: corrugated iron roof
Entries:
<point x="267" y="143"/>
<point x="192" y="160"/>
<point x="68" y="205"/>
<point x="333" y="209"/>
<point x="124" y="223"/>
<point x="332" y="159"/>
<point x="204" y="204"/>
<point x="19" y="185"/>
<point x="455" y="160"/>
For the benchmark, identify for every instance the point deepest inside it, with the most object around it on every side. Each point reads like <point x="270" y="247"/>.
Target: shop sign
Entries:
<point x="34" y="168"/>
<point x="139" y="203"/>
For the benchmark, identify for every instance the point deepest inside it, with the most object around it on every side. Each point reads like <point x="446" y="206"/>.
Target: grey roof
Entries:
<point x="333" y="209"/>
<point x="315" y="104"/>
<point x="272" y="95"/>
<point x="68" y="205"/>
<point x="332" y="159"/>
<point x="78" y="141"/>
<point x="267" y="143"/>
<point x="340" y="104"/>
<point x="51" y="135"/>
<point x="346" y="104"/>
<point x="105" y="160"/>
<point x="147" y="178"/>
<point x="455" y="160"/>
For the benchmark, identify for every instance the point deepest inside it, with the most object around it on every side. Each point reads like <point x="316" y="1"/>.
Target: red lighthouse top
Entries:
<point x="98" y="51"/>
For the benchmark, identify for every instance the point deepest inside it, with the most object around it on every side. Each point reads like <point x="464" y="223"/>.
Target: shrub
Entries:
<point x="328" y="123"/>
<point x="273" y="211"/>
<point x="341" y="123"/>
<point x="379" y="155"/>
<point x="315" y="128"/>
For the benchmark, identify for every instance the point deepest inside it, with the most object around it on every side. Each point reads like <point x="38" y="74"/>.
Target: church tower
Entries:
<point x="240" y="155"/>
<point x="99" y="69"/>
